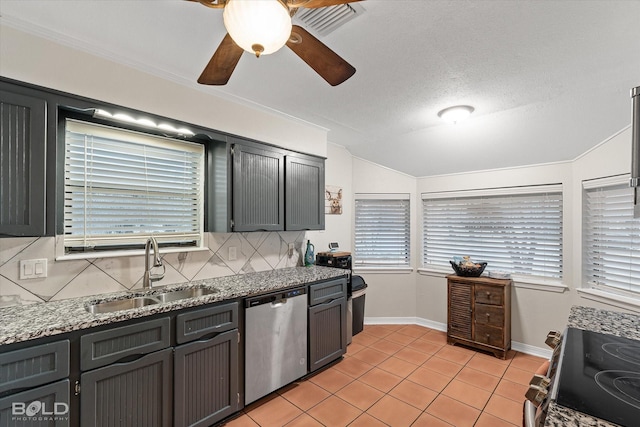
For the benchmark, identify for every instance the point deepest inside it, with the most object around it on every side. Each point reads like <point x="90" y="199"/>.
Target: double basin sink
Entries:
<point x="132" y="302"/>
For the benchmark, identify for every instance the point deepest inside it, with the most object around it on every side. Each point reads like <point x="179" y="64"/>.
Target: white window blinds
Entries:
<point x="611" y="237"/>
<point x="122" y="187"/>
<point x="518" y="230"/>
<point x="382" y="235"/>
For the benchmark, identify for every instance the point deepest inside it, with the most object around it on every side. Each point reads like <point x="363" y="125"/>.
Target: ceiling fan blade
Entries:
<point x="222" y="63"/>
<point x="318" y="56"/>
<point x="311" y="4"/>
<point x="216" y="4"/>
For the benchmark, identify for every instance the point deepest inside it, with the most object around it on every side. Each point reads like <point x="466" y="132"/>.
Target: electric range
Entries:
<point x="599" y="375"/>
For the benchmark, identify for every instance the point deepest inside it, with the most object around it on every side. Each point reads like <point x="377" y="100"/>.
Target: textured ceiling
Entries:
<point x="548" y="79"/>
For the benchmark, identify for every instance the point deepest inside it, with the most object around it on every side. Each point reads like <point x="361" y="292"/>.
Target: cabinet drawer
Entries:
<point x="327" y="291"/>
<point x="109" y="346"/>
<point x="198" y="323"/>
<point x="54" y="400"/>
<point x="489" y="295"/>
<point x="491" y="315"/>
<point x="489" y="335"/>
<point x="34" y="366"/>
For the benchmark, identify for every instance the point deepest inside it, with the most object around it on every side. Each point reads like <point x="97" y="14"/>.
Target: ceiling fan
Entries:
<point x="264" y="26"/>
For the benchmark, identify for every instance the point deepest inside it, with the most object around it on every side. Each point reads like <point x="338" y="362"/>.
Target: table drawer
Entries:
<point x="489" y="295"/>
<point x="489" y="335"/>
<point x="491" y="315"/>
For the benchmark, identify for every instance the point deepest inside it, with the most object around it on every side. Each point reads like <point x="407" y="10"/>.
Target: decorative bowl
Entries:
<point x="463" y="270"/>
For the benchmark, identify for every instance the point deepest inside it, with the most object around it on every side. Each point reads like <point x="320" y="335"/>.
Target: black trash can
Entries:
<point x="358" y="291"/>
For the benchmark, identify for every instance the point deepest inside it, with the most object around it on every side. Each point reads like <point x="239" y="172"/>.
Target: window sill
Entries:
<point x="628" y="303"/>
<point x="518" y="281"/>
<point x="383" y="270"/>
<point x="124" y="253"/>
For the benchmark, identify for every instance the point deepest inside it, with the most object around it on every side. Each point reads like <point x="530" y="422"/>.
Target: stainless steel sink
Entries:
<point x="184" y="294"/>
<point x="143" y="301"/>
<point x="121" y="304"/>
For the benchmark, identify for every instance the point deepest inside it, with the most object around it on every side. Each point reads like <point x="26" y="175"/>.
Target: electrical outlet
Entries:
<point x="233" y="253"/>
<point x="33" y="268"/>
<point x="292" y="248"/>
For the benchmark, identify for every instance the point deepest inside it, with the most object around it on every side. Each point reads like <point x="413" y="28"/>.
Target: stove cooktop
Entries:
<point x="600" y="376"/>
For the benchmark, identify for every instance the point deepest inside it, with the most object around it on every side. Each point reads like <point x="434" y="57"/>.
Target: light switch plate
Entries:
<point x="233" y="253"/>
<point x="291" y="249"/>
<point x="33" y="268"/>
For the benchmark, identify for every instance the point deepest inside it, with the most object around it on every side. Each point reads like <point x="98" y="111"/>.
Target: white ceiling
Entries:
<point x="548" y="79"/>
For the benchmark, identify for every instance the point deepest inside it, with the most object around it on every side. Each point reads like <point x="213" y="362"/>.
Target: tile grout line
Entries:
<point x="402" y="377"/>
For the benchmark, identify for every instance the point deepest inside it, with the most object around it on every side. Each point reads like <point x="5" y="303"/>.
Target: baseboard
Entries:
<point x="545" y="353"/>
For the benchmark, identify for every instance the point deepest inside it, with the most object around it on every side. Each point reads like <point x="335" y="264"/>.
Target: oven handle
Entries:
<point x="529" y="416"/>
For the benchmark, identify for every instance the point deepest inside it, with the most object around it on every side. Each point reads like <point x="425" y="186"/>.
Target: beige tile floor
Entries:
<point x="402" y="375"/>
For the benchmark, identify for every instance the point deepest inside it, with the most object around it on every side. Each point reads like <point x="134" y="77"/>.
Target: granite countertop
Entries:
<point x="27" y="322"/>
<point x="606" y="322"/>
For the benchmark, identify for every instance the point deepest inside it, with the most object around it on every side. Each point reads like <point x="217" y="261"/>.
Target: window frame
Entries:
<point x="388" y="266"/>
<point x="628" y="299"/>
<point x="84" y="115"/>
<point x="552" y="284"/>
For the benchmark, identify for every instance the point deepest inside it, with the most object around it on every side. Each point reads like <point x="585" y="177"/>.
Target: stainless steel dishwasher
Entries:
<point x="275" y="341"/>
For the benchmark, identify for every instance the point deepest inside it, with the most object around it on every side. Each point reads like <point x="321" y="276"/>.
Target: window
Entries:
<point x="518" y="230"/>
<point x="120" y="187"/>
<point x="382" y="230"/>
<point x="611" y="237"/>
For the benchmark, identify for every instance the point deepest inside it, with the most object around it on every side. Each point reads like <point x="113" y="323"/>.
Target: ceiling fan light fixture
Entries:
<point x="258" y="26"/>
<point x="456" y="114"/>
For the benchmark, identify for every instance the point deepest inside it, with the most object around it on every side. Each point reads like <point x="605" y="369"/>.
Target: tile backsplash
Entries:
<point x="256" y="251"/>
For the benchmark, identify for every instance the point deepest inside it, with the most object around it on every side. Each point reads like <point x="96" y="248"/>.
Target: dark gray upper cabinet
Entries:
<point x="304" y="193"/>
<point x="22" y="164"/>
<point x="275" y="189"/>
<point x="258" y="188"/>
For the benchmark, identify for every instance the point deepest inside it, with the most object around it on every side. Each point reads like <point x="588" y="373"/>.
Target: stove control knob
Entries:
<point x="540" y="381"/>
<point x="536" y="394"/>
<point x="553" y="339"/>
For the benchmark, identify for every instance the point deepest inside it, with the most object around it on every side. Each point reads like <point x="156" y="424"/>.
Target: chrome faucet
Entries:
<point x="157" y="262"/>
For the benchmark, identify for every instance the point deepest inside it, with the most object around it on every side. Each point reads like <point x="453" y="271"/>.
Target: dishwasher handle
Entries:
<point x="276" y="299"/>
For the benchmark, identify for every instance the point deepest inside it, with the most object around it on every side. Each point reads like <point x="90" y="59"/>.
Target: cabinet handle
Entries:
<point x="488" y="315"/>
<point x="488" y="294"/>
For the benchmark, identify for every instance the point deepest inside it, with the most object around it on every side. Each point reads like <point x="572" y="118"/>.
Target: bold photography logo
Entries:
<point x="38" y="410"/>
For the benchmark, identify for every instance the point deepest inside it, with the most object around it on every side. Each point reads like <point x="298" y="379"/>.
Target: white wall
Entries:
<point x="388" y="294"/>
<point x="535" y="312"/>
<point x="338" y="228"/>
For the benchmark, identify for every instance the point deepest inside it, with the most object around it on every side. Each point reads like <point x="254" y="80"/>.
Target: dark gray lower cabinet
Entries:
<point x="39" y="407"/>
<point x="131" y="394"/>
<point x="327" y="322"/>
<point x="206" y="380"/>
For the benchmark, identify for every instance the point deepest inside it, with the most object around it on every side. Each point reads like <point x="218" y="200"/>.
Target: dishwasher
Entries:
<point x="275" y="341"/>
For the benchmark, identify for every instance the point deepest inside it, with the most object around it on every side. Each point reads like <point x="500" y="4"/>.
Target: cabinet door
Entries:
<point x="460" y="313"/>
<point x="206" y="380"/>
<point x="33" y="366"/>
<point x="258" y="189"/>
<point x="133" y="394"/>
<point x="327" y="332"/>
<point x="46" y="406"/>
<point x="304" y="193"/>
<point x="22" y="165"/>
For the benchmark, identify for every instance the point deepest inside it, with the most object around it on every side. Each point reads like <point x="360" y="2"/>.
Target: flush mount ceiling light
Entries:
<point x="456" y="113"/>
<point x="260" y="27"/>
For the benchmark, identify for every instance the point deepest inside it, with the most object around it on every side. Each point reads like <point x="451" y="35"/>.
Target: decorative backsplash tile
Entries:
<point x="259" y="251"/>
